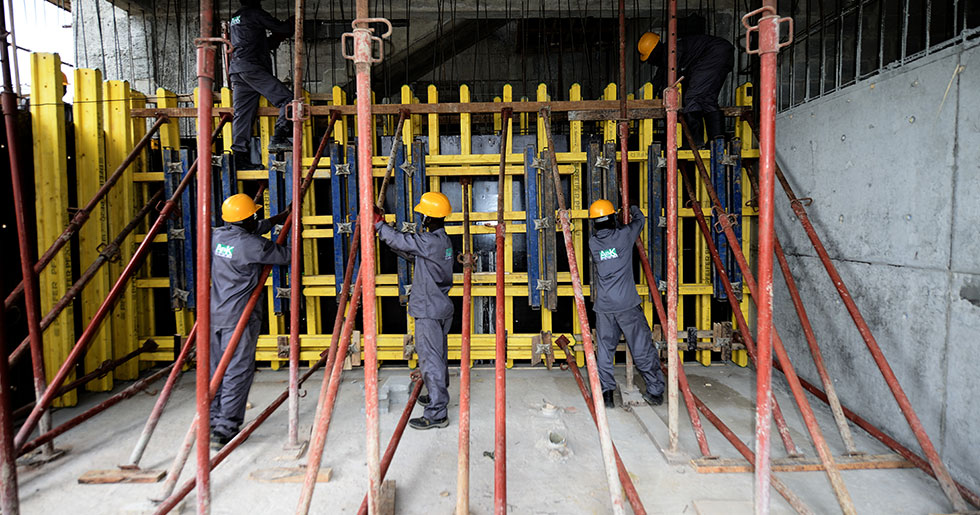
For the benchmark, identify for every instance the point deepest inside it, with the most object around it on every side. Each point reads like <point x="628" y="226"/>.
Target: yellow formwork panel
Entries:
<point x="51" y="207"/>
<point x="87" y="115"/>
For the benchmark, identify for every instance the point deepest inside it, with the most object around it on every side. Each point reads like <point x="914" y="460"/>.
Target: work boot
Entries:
<point x="695" y="123"/>
<point x="243" y="161"/>
<point x="715" y="124"/>
<point x="423" y="400"/>
<point x="653" y="400"/>
<point x="607" y="398"/>
<point x="280" y="142"/>
<point x="219" y="439"/>
<point x="421" y="423"/>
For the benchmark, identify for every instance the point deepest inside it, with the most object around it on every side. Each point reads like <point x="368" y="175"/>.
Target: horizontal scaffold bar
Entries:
<point x="580" y="110"/>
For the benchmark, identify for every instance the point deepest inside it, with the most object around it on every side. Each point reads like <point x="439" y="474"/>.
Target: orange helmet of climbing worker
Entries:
<point x="434" y="204"/>
<point x="647" y="43"/>
<point x="601" y="208"/>
<point x="238" y="207"/>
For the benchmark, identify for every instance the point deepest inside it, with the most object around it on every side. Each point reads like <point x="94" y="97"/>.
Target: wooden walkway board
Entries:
<point x="100" y="477"/>
<point x="859" y="462"/>
<point x="288" y="475"/>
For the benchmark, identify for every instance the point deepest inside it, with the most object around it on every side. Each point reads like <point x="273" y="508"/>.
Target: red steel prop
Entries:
<point x="296" y="254"/>
<point x="117" y="289"/>
<point x="823" y="450"/>
<point x="396" y="437"/>
<point x="500" y="342"/>
<point x="939" y="470"/>
<point x="106" y="254"/>
<point x="463" y="455"/>
<point x="9" y="499"/>
<point x="671" y="103"/>
<point x="624" y="476"/>
<point x="82" y="215"/>
<point x="236" y="336"/>
<point x="605" y="440"/>
<point x="768" y="50"/>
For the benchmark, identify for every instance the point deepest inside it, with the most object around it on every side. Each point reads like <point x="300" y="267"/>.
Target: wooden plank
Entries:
<point x="858" y="462"/>
<point x="386" y="498"/>
<point x="288" y="475"/>
<point x="102" y="477"/>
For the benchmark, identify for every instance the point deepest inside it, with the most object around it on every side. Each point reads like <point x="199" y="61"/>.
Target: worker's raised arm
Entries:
<point x="270" y="23"/>
<point x="271" y="254"/>
<point x="636" y="222"/>
<point x="403" y="242"/>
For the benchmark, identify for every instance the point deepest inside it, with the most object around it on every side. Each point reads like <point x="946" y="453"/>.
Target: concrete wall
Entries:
<point x="893" y="166"/>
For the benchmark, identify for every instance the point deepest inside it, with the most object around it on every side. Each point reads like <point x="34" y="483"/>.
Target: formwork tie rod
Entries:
<point x="605" y="440"/>
<point x="809" y="418"/>
<point x="81" y="346"/>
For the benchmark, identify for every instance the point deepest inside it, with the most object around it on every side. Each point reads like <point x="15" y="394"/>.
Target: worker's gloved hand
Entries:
<point x="635" y="212"/>
<point x="379" y="215"/>
<point x="280" y="218"/>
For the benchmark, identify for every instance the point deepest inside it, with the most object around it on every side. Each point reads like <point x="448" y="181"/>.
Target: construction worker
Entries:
<point x="431" y="252"/>
<point x="238" y="256"/>
<point x="254" y="34"/>
<point x="704" y="62"/>
<point x="617" y="304"/>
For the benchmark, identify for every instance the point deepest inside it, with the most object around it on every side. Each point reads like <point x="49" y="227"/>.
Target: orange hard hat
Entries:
<point x="238" y="207"/>
<point x="601" y="208"/>
<point x="434" y="204"/>
<point x="647" y="43"/>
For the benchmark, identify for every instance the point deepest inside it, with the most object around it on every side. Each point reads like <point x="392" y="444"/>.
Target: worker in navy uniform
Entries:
<point x="431" y="252"/>
<point x="617" y="304"/>
<point x="705" y="62"/>
<point x="238" y="255"/>
<point x="254" y="35"/>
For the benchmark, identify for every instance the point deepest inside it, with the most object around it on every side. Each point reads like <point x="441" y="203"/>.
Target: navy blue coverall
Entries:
<point x="704" y="62"/>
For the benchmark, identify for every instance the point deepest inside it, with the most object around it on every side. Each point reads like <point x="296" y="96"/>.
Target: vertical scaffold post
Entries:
<point x="605" y="440"/>
<point x="768" y="49"/>
<point x="670" y="97"/>
<point x="9" y="499"/>
<point x="463" y="457"/>
<point x="296" y="254"/>
<point x="500" y="361"/>
<point x="205" y="83"/>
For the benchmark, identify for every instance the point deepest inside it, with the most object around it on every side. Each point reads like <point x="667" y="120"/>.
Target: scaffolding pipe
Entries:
<point x="172" y="500"/>
<point x="811" y="340"/>
<point x="500" y="340"/>
<point x="28" y="276"/>
<point x="108" y="252"/>
<point x="296" y="254"/>
<point x="624" y="476"/>
<point x="809" y="418"/>
<point x="463" y="455"/>
<point x="81" y="346"/>
<point x="939" y="470"/>
<point x="183" y="453"/>
<point x="9" y="498"/>
<point x="671" y="103"/>
<point x="124" y="394"/>
<point x="396" y="437"/>
<point x="605" y="440"/>
<point x="82" y="215"/>
<point x="396" y="143"/>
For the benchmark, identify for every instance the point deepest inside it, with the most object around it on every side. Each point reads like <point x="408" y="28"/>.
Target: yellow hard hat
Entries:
<point x="601" y="208"/>
<point x="238" y="207"/>
<point x="647" y="43"/>
<point x="434" y="204"/>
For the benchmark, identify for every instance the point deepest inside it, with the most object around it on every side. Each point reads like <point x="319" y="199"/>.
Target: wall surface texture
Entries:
<point x="893" y="166"/>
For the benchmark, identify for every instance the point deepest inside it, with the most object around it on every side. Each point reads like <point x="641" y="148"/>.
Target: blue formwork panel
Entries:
<point x="719" y="181"/>
<point x="610" y="175"/>
<point x="734" y="180"/>
<point x="351" y="182"/>
<point x="549" y="261"/>
<point x="187" y="206"/>
<point x="224" y="184"/>
<point x="419" y="184"/>
<point x="173" y="171"/>
<point x="401" y="217"/>
<point x="531" y="235"/>
<point x="337" y="215"/>
<point x="280" y="189"/>
<point x="656" y="187"/>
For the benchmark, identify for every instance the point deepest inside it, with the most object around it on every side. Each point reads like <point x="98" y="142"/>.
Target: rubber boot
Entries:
<point x="280" y="141"/>
<point x="243" y="161"/>
<point x="695" y="124"/>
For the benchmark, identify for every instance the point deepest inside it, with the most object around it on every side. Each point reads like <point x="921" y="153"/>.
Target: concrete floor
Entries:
<point x="541" y="480"/>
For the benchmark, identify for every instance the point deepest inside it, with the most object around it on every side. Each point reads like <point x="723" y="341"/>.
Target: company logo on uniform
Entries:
<point x="236" y="20"/>
<point x="449" y="253"/>
<point x="608" y="254"/>
<point x="224" y="251"/>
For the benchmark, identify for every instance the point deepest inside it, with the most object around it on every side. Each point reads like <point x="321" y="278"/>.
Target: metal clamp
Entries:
<point x="545" y="285"/>
<point x="408" y="346"/>
<point x="282" y="293"/>
<point x="408" y="168"/>
<point x="343" y="169"/>
<point x="277" y="166"/>
<point x="543" y="223"/>
<point x="541" y="164"/>
<point x="805" y="201"/>
<point x="365" y="36"/>
<point x="180" y="295"/>
<point x="175" y="167"/>
<point x="661" y="162"/>
<point x="662" y="222"/>
<point x="176" y="234"/>
<point x="769" y="16"/>
<point x="602" y="162"/>
<point x="109" y="251"/>
<point x="662" y="286"/>
<point x="728" y="159"/>
<point x="345" y="227"/>
<point x="692" y="339"/>
<point x="291" y="110"/>
<point x="409" y="227"/>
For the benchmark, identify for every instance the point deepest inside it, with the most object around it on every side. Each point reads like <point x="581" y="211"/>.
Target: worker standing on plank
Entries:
<point x="617" y="305"/>
<point x="254" y="35"/>
<point x="431" y="253"/>
<point x="704" y="62"/>
<point x="238" y="255"/>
